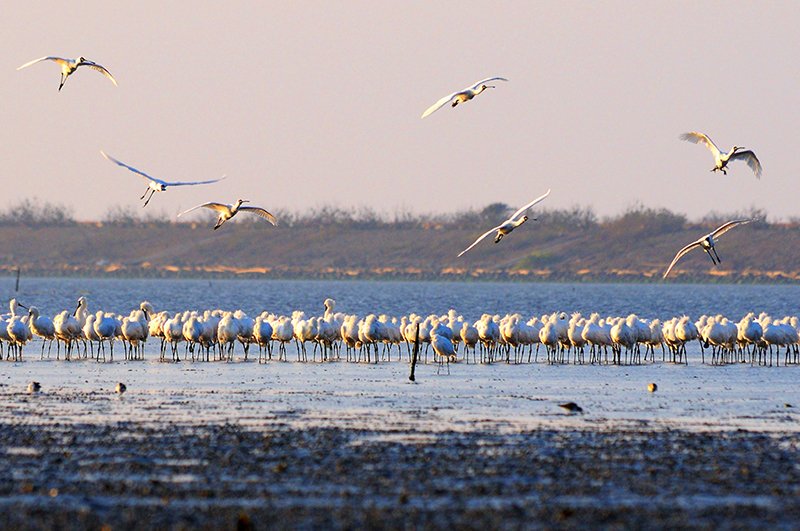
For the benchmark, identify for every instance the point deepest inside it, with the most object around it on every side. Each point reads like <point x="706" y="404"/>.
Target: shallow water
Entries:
<point x="396" y="298"/>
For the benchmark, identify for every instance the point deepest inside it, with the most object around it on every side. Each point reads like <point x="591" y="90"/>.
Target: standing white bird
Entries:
<point x="226" y="212"/>
<point x="508" y="225"/>
<point x="68" y="66"/>
<point x="721" y="159"/>
<point x="156" y="185"/>
<point x="707" y="243"/>
<point x="462" y="95"/>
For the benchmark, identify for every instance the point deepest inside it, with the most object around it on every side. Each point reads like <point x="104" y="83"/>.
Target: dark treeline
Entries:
<point x="636" y="219"/>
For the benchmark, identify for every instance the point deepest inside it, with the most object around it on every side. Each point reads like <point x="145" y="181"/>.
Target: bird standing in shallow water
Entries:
<point x="721" y="159"/>
<point x="226" y="212"/>
<point x="68" y="67"/>
<point x="508" y="225"/>
<point x="120" y="388"/>
<point x="462" y="95"/>
<point x="707" y="243"/>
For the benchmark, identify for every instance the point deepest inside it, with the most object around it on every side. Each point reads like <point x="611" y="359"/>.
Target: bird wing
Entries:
<point x="58" y="60"/>
<point x="729" y="225"/>
<point x="750" y="158"/>
<point x="439" y="104"/>
<point x="258" y="211"/>
<point x="526" y="207"/>
<point x="482" y="236"/>
<point x="219" y="207"/>
<point x="479" y="83"/>
<point x="134" y="170"/>
<point x="100" y="69"/>
<point x="697" y="138"/>
<point x="194" y="182"/>
<point x="682" y="252"/>
<point x="165" y="183"/>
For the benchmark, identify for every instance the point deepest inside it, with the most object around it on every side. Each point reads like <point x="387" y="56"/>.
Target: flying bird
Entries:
<point x="226" y="212"/>
<point x="155" y="185"/>
<point x="707" y="243"/>
<point x="68" y="66"/>
<point x="462" y="95"/>
<point x="721" y="159"/>
<point x="508" y="225"/>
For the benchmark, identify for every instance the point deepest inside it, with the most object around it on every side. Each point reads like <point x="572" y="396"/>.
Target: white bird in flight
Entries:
<point x="68" y="66"/>
<point x="508" y="225"/>
<point x="707" y="243"/>
<point x="226" y="212"/>
<point x="721" y="159"/>
<point x="462" y="95"/>
<point x="156" y="185"/>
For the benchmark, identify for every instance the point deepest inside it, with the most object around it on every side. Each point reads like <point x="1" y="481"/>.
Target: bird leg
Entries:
<point x="219" y="223"/>
<point x="152" y="193"/>
<point x="498" y="237"/>
<point x="63" y="79"/>
<point x="719" y="261"/>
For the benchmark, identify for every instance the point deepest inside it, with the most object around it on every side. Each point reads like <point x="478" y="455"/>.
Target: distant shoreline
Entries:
<point x="411" y="275"/>
<point x="625" y="251"/>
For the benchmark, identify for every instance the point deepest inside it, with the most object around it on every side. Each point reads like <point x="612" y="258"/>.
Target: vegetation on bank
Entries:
<point x="331" y="242"/>
<point x="34" y="213"/>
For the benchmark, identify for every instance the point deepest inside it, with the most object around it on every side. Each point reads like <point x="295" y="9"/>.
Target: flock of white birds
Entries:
<point x="227" y="211"/>
<point x="213" y="335"/>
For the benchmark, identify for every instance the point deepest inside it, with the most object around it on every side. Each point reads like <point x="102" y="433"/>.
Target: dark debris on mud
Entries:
<point x="129" y="476"/>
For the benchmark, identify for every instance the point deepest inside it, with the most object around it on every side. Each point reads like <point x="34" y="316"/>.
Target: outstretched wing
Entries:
<point x="219" y="207"/>
<point x="58" y="60"/>
<point x="481" y="237"/>
<point x="729" y="225"/>
<point x="698" y="138"/>
<point x="134" y="170"/>
<point x="258" y="211"/>
<point x="195" y="182"/>
<point x="100" y="69"/>
<point x="750" y="158"/>
<point x="479" y="83"/>
<point x="681" y="253"/>
<point x="165" y="183"/>
<point x="526" y="207"/>
<point x="439" y="104"/>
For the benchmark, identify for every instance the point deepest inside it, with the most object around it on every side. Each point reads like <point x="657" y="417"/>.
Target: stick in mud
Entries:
<point x="414" y="354"/>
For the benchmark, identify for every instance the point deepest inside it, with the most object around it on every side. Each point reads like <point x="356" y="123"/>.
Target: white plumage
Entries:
<point x="462" y="95"/>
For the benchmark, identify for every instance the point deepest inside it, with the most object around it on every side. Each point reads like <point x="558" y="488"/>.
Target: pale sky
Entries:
<point x="306" y="104"/>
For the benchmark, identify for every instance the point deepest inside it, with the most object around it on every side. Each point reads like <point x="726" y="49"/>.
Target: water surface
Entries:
<point x="397" y="298"/>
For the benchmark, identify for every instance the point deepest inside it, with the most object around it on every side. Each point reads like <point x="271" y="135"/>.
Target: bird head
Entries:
<point x="81" y="302"/>
<point x="80" y="59"/>
<point x="524" y="218"/>
<point x="736" y="148"/>
<point x="240" y="201"/>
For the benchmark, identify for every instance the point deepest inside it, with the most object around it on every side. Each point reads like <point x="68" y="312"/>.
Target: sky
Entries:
<point x="306" y="104"/>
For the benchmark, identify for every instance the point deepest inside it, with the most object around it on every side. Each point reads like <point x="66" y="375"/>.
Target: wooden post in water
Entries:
<point x="16" y="288"/>
<point x="414" y="354"/>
